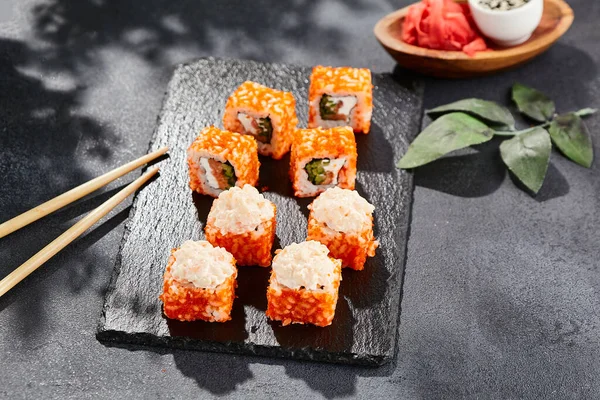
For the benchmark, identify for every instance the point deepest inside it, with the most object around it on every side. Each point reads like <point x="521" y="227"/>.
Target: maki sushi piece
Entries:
<point x="218" y="160"/>
<point x="340" y="97"/>
<point x="343" y="221"/>
<point x="243" y="222"/>
<point x="266" y="114"/>
<point x="304" y="285"/>
<point x="321" y="159"/>
<point x="199" y="283"/>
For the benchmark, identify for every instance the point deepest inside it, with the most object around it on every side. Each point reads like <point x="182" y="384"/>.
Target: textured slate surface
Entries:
<point x="166" y="213"/>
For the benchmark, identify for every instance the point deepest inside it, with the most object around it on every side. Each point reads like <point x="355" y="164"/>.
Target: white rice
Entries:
<point x="197" y="157"/>
<point x="342" y="210"/>
<point x="305" y="264"/>
<point x="265" y="149"/>
<point x="201" y="264"/>
<point x="240" y="210"/>
<point x="360" y="104"/>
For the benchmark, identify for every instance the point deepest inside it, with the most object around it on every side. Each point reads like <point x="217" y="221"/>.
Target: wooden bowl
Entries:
<point x="557" y="18"/>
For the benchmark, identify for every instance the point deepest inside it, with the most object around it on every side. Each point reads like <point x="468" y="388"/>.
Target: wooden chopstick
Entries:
<point x="71" y="234"/>
<point x="74" y="194"/>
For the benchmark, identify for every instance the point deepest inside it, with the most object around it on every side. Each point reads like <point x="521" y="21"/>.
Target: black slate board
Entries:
<point x="166" y="213"/>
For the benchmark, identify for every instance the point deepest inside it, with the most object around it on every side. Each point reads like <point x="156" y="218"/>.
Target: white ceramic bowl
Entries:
<point x="508" y="28"/>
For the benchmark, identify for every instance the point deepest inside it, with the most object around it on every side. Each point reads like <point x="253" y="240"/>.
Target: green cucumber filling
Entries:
<point x="260" y="128"/>
<point x="265" y="130"/>
<point x="316" y="171"/>
<point x="328" y="108"/>
<point x="337" y="108"/>
<point x="228" y="174"/>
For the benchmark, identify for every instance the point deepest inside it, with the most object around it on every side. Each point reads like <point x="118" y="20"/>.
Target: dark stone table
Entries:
<point x="501" y="296"/>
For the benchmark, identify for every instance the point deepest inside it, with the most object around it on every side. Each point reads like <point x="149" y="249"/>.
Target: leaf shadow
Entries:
<point x="555" y="185"/>
<point x="203" y="204"/>
<point x="35" y="310"/>
<point x="343" y="382"/>
<point x="376" y="153"/>
<point x="220" y="374"/>
<point x="76" y="36"/>
<point x="476" y="174"/>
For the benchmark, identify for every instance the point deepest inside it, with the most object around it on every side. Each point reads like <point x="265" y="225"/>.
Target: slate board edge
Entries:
<point x="151" y="342"/>
<point x="127" y="230"/>
<point x="144" y="340"/>
<point x="407" y="218"/>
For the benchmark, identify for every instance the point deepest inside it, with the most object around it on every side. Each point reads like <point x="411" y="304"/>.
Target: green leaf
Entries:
<point x="448" y="133"/>
<point x="570" y="135"/>
<point x="489" y="112"/>
<point x="527" y="156"/>
<point x="584" y="112"/>
<point x="532" y="102"/>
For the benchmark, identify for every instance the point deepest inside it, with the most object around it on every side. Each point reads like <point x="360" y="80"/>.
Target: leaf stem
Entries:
<point x="584" y="112"/>
<point x="515" y="133"/>
<point x="506" y="133"/>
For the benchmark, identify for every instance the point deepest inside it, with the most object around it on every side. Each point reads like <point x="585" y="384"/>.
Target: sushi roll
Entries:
<point x="199" y="283"/>
<point x="322" y="159"/>
<point x="243" y="222"/>
<point x="343" y="221"/>
<point x="340" y="97"/>
<point x="266" y="114"/>
<point x="218" y="160"/>
<point x="304" y="285"/>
